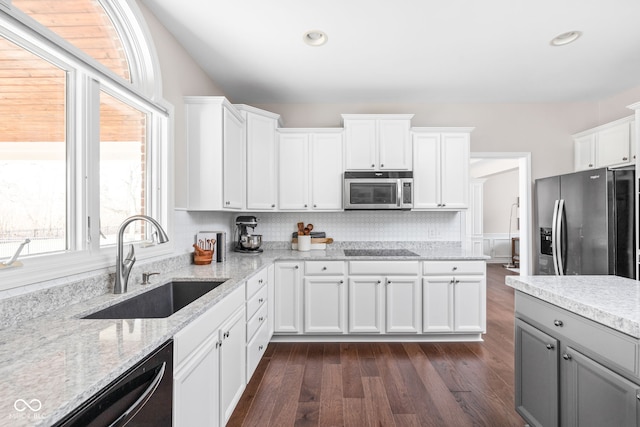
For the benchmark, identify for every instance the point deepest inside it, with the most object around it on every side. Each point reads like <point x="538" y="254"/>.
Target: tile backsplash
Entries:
<point x="365" y="225"/>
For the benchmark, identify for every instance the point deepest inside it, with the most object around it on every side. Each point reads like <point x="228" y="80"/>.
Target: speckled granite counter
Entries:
<point x="61" y="360"/>
<point x="610" y="300"/>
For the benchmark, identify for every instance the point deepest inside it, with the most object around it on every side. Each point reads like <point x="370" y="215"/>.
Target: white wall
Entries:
<point x="500" y="192"/>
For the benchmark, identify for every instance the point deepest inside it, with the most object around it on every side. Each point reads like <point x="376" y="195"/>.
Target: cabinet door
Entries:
<point x="585" y="152"/>
<point x="437" y="304"/>
<point x="593" y="395"/>
<point x="536" y="376"/>
<point x="195" y="388"/>
<point x="232" y="364"/>
<point x="455" y="170"/>
<point x="326" y="171"/>
<point x="394" y="144"/>
<point x="426" y="171"/>
<point x="271" y="280"/>
<point x="403" y="305"/>
<point x="293" y="171"/>
<point x="324" y="305"/>
<point x="360" y="145"/>
<point x="469" y="304"/>
<point x="261" y="162"/>
<point x="613" y="146"/>
<point x="234" y="162"/>
<point x="288" y="297"/>
<point x="366" y="304"/>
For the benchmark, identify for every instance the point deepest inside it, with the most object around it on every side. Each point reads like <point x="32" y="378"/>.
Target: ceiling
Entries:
<point x="414" y="51"/>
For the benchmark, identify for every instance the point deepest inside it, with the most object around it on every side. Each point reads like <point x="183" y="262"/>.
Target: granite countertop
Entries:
<point x="609" y="300"/>
<point x="61" y="360"/>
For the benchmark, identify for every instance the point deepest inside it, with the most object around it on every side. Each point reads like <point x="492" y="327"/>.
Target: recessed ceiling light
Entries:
<point x="315" y="38"/>
<point x="566" y="38"/>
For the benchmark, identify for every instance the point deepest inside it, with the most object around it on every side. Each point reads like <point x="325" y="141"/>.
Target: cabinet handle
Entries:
<point x="341" y="282"/>
<point x="558" y="323"/>
<point x="260" y="319"/>
<point x="388" y="282"/>
<point x="550" y="347"/>
<point x="306" y="205"/>
<point x="373" y="166"/>
<point x="324" y="268"/>
<point x="260" y="347"/>
<point x="379" y="282"/>
<point x="566" y="356"/>
<point x="590" y="165"/>
<point x="625" y="158"/>
<point x="454" y="268"/>
<point x="226" y="334"/>
<point x="381" y="165"/>
<point x="297" y="267"/>
<point x="273" y="205"/>
<point x="261" y="300"/>
<point x="315" y="206"/>
<point x="443" y="205"/>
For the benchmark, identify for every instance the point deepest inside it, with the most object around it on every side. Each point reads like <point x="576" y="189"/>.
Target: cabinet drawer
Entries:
<point x="256" y="281"/>
<point x="597" y="339"/>
<point x="384" y="267"/>
<point x="256" y="301"/>
<point x="258" y="319"/>
<point x="454" y="267"/>
<point x="329" y="268"/>
<point x="195" y="333"/>
<point x="256" y="348"/>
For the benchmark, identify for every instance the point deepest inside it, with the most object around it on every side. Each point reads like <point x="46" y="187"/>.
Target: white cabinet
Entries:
<point x="288" y="298"/>
<point x="325" y="304"/>
<point x="403" y="313"/>
<point x="260" y="131"/>
<point x="232" y="363"/>
<point x="209" y="364"/>
<point x="454" y="296"/>
<point x="608" y="145"/>
<point x="377" y="141"/>
<point x="259" y="314"/>
<point x="215" y="154"/>
<point x="310" y="169"/>
<point x="366" y="305"/>
<point x="441" y="168"/>
<point x="386" y="298"/>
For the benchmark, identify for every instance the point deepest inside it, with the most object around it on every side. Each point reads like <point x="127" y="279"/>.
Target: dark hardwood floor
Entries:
<point x="390" y="384"/>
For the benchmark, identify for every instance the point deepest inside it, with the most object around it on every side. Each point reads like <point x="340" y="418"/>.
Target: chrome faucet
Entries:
<point x="123" y="266"/>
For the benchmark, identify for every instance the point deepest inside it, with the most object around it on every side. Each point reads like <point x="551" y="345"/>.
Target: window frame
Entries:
<point x="85" y="78"/>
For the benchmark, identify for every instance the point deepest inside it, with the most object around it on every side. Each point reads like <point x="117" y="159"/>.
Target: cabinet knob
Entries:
<point x="454" y="268"/>
<point x="566" y="356"/>
<point x="297" y="267"/>
<point x="273" y="205"/>
<point x="388" y="282"/>
<point x="443" y="205"/>
<point x="550" y="347"/>
<point x="260" y="319"/>
<point x="558" y="323"/>
<point x="590" y="165"/>
<point x="625" y="158"/>
<point x="306" y="205"/>
<point x="260" y="347"/>
<point x="324" y="268"/>
<point x="261" y="300"/>
<point x="379" y="282"/>
<point x="373" y="166"/>
<point x="341" y="282"/>
<point x="315" y="206"/>
<point x="381" y="165"/>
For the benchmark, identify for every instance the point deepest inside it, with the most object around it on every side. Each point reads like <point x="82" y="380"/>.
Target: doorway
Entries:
<point x="509" y="211"/>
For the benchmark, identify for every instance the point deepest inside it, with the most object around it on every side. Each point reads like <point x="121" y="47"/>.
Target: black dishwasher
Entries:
<point x="141" y="397"/>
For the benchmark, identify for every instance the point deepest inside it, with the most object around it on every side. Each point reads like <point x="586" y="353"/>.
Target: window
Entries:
<point x="83" y="141"/>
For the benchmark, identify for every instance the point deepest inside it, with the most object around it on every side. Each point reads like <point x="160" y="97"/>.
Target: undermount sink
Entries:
<point x="160" y="302"/>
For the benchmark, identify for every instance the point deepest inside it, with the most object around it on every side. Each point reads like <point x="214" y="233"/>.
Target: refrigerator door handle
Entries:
<point x="554" y="237"/>
<point x="559" y="239"/>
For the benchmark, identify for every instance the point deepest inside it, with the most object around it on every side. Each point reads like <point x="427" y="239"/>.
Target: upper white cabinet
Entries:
<point x="441" y="168"/>
<point x="606" y="145"/>
<point x="310" y="169"/>
<point x="377" y="141"/>
<point x="261" y="168"/>
<point x="216" y="154"/>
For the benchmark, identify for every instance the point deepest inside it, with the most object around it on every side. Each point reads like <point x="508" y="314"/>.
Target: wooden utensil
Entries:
<point x="300" y="228"/>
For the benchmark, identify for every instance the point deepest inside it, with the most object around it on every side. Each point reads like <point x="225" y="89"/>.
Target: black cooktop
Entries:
<point x="379" y="252"/>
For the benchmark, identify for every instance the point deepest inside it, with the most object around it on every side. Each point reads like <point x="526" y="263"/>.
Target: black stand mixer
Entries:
<point x="245" y="241"/>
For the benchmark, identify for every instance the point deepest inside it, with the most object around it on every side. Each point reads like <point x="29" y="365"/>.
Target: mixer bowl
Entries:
<point x="251" y="241"/>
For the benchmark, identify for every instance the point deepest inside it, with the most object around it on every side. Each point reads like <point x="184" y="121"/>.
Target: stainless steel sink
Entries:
<point x="160" y="302"/>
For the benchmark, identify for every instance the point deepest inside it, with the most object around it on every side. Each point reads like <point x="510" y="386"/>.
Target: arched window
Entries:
<point x="83" y="133"/>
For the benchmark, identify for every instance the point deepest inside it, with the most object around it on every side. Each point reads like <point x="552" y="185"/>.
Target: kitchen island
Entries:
<point x="61" y="360"/>
<point x="577" y="342"/>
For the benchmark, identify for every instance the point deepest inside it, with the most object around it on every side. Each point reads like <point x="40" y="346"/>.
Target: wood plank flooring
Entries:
<point x="390" y="384"/>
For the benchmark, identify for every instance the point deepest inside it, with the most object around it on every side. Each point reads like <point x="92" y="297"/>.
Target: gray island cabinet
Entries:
<point x="576" y="356"/>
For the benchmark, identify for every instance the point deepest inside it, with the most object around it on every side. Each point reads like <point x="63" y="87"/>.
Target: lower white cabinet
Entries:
<point x="366" y="305"/>
<point x="259" y="313"/>
<point x="403" y="305"/>
<point x="454" y="296"/>
<point x="325" y="305"/>
<point x="209" y="364"/>
<point x="288" y="298"/>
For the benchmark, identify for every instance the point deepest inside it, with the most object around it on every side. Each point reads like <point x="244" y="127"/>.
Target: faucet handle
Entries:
<point x="146" y="276"/>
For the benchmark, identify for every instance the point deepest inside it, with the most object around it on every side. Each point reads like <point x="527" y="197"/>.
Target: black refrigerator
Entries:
<point x="585" y="223"/>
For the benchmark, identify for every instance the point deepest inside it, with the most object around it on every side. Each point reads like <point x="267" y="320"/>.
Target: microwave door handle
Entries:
<point x="399" y="193"/>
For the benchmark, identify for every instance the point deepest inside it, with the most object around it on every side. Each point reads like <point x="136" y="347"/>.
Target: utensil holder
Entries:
<point x="202" y="256"/>
<point x="304" y="243"/>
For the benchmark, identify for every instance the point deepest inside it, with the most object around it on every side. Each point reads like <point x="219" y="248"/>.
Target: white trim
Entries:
<point x="525" y="190"/>
<point x="409" y="337"/>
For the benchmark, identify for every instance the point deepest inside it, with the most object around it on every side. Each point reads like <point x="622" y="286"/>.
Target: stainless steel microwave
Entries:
<point x="378" y="190"/>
